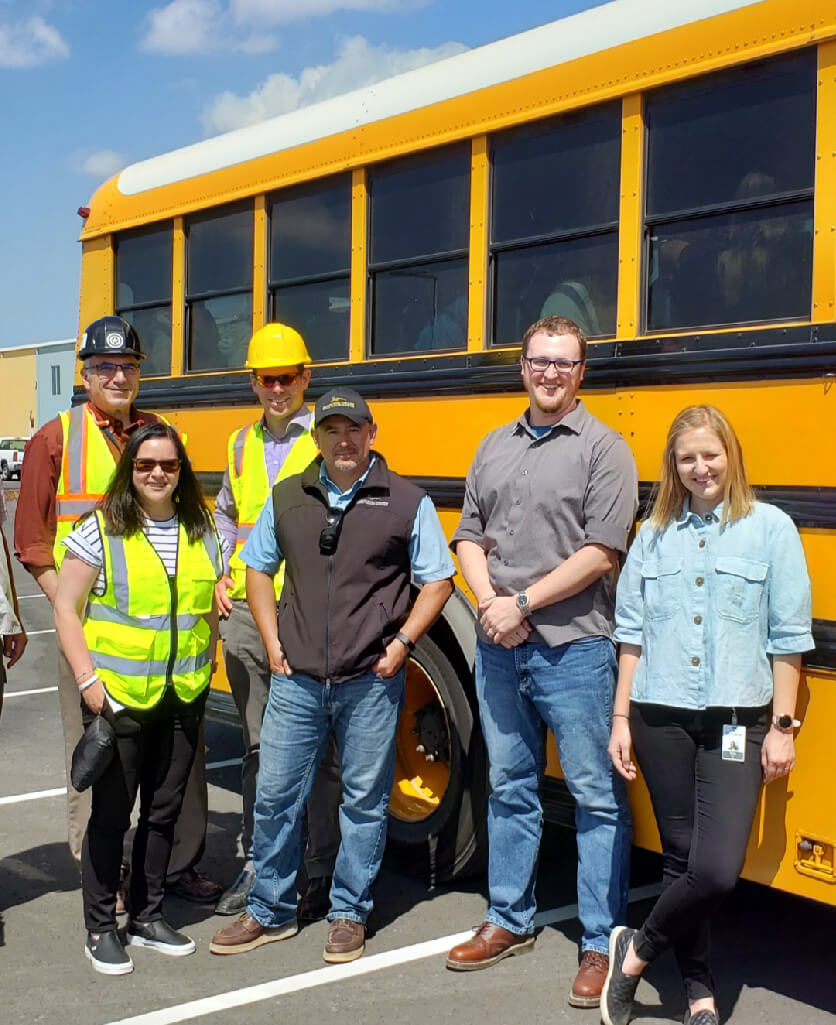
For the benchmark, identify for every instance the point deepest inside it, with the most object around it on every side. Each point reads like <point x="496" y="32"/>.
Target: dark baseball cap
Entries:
<point x="342" y="402"/>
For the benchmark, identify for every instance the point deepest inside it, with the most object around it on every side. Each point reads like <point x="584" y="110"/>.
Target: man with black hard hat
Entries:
<point x="352" y="536"/>
<point x="69" y="464"/>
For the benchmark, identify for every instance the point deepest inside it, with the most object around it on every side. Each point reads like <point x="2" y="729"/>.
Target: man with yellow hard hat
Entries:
<point x="278" y="445"/>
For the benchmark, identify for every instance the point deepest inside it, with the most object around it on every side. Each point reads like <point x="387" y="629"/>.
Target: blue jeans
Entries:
<point x="570" y="689"/>
<point x="300" y="713"/>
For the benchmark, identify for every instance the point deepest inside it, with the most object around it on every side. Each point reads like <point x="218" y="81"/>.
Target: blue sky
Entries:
<point x="89" y="86"/>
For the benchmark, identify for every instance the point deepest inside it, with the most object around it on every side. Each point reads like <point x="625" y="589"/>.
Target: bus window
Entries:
<point x="419" y="218"/>
<point x="554" y="225"/>
<point x="219" y="288"/>
<point x="143" y="293"/>
<point x="729" y="214"/>
<point x="310" y="257"/>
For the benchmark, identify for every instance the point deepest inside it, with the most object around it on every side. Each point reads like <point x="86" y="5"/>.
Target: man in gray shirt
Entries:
<point x="549" y="503"/>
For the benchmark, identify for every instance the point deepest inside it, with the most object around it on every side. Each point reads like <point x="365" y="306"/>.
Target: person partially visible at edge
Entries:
<point x="70" y="462"/>
<point x="352" y="535"/>
<point x="713" y="614"/>
<point x="549" y="503"/>
<point x="278" y="445"/>
<point x="12" y="635"/>
<point x="136" y="618"/>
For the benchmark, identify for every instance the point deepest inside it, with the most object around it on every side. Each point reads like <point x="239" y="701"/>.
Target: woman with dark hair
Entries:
<point x="713" y="612"/>
<point x="137" y="621"/>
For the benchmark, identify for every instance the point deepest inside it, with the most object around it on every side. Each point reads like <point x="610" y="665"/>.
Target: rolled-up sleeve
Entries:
<point x="790" y="603"/>
<point x="629" y="602"/>
<point x="612" y="495"/>
<point x="471" y="525"/>
<point x="261" y="549"/>
<point x="226" y="518"/>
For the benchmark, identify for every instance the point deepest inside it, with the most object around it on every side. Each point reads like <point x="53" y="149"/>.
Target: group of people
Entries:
<point x="326" y="568"/>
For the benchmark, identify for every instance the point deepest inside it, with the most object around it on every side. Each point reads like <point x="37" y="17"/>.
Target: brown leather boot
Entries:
<point x="490" y="943"/>
<point x="586" y="989"/>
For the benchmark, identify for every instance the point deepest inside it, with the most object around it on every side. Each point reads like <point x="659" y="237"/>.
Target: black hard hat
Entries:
<point x="110" y="336"/>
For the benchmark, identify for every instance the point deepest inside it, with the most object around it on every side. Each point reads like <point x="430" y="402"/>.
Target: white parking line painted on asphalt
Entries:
<point x="26" y="693"/>
<point x="26" y="597"/>
<point x="337" y="973"/>
<point x="35" y="795"/>
<point x="223" y="765"/>
<point x="35" y="633"/>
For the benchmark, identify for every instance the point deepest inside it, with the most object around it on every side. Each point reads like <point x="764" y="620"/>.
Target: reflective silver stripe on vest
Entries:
<point x="213" y="550"/>
<point x="119" y="571"/>
<point x="152" y="667"/>
<point x="244" y="531"/>
<point x="75" y="507"/>
<point x="106" y="614"/>
<point x="238" y="450"/>
<point x="75" y="451"/>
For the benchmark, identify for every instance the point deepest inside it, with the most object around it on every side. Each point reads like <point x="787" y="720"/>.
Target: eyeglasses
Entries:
<point x="540" y="364"/>
<point x="271" y="380"/>
<point x="112" y="369"/>
<point x="168" y="466"/>
<point x="330" y="536"/>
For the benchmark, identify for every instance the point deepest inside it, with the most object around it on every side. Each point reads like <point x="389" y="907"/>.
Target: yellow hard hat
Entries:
<point x="276" y="345"/>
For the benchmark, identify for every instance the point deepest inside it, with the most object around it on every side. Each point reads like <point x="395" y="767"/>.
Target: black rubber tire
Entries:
<point x="452" y="842"/>
<point x="6" y="472"/>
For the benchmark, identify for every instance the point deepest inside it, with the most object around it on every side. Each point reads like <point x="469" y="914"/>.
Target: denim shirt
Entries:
<point x="708" y="605"/>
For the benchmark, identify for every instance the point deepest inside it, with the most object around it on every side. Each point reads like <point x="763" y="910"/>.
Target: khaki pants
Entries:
<point x="249" y="680"/>
<point x="190" y="831"/>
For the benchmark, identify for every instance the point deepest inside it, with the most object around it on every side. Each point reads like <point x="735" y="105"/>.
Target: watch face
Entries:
<point x="522" y="601"/>
<point x="785" y="721"/>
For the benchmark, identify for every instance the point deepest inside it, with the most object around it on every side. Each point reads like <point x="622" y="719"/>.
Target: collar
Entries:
<point x="105" y="420"/>
<point x="574" y="421"/>
<point x="686" y="514"/>
<point x="325" y="478"/>
<point x="315" y="476"/>
<point x="298" y="424"/>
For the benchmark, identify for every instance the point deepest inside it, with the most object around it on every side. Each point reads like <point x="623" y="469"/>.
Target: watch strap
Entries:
<point x="405" y="640"/>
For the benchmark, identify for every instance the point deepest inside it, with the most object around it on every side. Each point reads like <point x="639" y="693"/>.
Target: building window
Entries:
<point x="219" y="288"/>
<point x="418" y="234"/>
<point x="55" y="371"/>
<point x="310" y="256"/>
<point x="143" y="293"/>
<point x="554" y="223"/>
<point x="729" y="210"/>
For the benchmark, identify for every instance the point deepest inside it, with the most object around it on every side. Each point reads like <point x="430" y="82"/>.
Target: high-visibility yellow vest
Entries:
<point x="87" y="468"/>
<point x="251" y="489"/>
<point x="148" y="630"/>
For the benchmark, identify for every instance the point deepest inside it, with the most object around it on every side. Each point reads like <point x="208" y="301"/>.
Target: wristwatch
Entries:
<point x="523" y="604"/>
<point x="785" y="723"/>
<point x="409" y="644"/>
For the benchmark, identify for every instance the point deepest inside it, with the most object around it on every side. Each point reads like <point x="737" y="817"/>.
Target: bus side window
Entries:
<point x="219" y="283"/>
<point x="143" y="293"/>
<point x="730" y="166"/>
<point x="419" y="218"/>
<point x="554" y="229"/>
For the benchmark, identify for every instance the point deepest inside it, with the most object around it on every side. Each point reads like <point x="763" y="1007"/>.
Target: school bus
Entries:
<point x="664" y="174"/>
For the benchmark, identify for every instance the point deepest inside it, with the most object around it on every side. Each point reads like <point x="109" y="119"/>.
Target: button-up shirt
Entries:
<point x="708" y="604"/>
<point x="534" y="497"/>
<point x="275" y="452"/>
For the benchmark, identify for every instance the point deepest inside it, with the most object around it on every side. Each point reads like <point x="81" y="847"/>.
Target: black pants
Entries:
<point x="704" y="808"/>
<point x="154" y="755"/>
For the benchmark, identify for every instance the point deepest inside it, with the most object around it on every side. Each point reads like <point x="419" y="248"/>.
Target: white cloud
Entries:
<point x="100" y="164"/>
<point x="185" y="26"/>
<point x="30" y="42"/>
<point x="272" y="12"/>
<point x="358" y="63"/>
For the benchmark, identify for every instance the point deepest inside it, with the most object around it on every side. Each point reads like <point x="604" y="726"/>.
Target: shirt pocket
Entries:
<point x="739" y="588"/>
<point x="662" y="587"/>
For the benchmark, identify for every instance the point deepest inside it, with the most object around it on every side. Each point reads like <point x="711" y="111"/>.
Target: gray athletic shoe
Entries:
<point x="619" y="989"/>
<point x="701" y="1018"/>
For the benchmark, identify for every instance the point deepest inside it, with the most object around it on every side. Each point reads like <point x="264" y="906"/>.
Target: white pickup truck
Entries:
<point x="11" y="457"/>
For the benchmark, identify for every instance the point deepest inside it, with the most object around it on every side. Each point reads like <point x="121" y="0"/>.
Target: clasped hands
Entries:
<point x="503" y="621"/>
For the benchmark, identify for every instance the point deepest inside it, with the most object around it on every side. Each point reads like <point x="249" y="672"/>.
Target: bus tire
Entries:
<point x="448" y="841"/>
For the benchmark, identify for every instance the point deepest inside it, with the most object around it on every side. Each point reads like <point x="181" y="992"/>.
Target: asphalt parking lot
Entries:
<point x="773" y="953"/>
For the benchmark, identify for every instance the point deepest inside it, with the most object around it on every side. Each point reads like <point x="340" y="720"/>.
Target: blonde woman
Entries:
<point x="713" y="613"/>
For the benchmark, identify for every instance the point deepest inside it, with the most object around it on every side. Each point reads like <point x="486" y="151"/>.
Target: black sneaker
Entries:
<point x="701" y="1018"/>
<point x="619" y="989"/>
<point x="160" y="936"/>
<point x="234" y="900"/>
<point x="107" y="955"/>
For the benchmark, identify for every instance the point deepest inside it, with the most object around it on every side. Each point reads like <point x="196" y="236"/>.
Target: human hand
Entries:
<point x="224" y="585"/>
<point x="777" y="755"/>
<point x="391" y="660"/>
<point x="621" y="740"/>
<point x="94" y="697"/>
<point x="500" y="618"/>
<point x="277" y="659"/>
<point x="515" y="637"/>
<point x="13" y="645"/>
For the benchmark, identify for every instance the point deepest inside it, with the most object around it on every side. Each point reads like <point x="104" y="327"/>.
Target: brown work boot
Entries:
<point x="245" y="933"/>
<point x="490" y="943"/>
<point x="346" y="941"/>
<point x="586" y="989"/>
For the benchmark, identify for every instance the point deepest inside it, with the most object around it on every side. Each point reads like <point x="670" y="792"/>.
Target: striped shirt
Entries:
<point x="85" y="542"/>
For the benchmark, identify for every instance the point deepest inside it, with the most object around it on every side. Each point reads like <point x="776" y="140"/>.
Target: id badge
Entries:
<point x="734" y="743"/>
